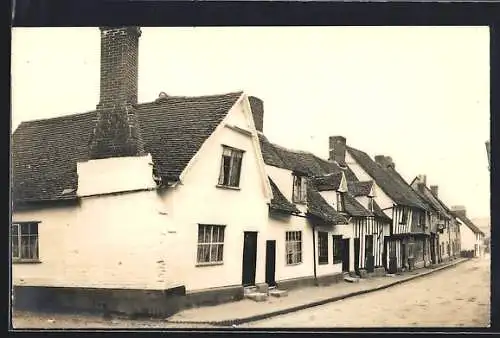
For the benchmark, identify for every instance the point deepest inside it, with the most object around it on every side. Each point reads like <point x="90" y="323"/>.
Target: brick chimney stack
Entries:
<point x="434" y="190"/>
<point x="421" y="182"/>
<point x="385" y="161"/>
<point x="117" y="132"/>
<point x="337" y="150"/>
<point x="459" y="210"/>
<point x="119" y="65"/>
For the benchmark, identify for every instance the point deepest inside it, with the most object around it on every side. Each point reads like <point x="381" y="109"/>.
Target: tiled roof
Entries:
<point x="388" y="180"/>
<point x="359" y="188"/>
<point x="354" y="208"/>
<point x="317" y="206"/>
<point x="300" y="161"/>
<point x="279" y="201"/>
<point x="467" y="222"/>
<point x="45" y="152"/>
<point x="328" y="182"/>
<point x="431" y="200"/>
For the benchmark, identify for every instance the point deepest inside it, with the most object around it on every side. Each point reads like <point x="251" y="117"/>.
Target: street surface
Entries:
<point x="455" y="297"/>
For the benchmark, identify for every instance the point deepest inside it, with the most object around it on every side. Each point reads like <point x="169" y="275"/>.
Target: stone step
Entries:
<point x="257" y="296"/>
<point x="351" y="279"/>
<point x="249" y="289"/>
<point x="278" y="293"/>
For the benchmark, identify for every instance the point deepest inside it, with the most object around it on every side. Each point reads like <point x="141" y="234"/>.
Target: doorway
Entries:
<point x="345" y="254"/>
<point x="270" y="263"/>
<point x="249" y="258"/>
<point x="356" y="254"/>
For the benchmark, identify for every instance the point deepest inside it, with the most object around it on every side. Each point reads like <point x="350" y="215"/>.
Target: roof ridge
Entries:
<point x="190" y="97"/>
<point x="61" y="117"/>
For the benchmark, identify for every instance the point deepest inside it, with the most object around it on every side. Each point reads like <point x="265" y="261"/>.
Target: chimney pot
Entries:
<point x="385" y="161"/>
<point x="434" y="190"/>
<point x="337" y="150"/>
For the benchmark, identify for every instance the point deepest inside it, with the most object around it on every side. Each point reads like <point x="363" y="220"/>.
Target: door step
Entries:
<point x="249" y="289"/>
<point x="256" y="296"/>
<point x="278" y="293"/>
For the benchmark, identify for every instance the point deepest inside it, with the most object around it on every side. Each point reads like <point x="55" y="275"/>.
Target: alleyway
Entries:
<point x="459" y="296"/>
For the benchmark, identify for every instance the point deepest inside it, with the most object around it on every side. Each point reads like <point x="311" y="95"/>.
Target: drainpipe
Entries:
<point x="314" y="255"/>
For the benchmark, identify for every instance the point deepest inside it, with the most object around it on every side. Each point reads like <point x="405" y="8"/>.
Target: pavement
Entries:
<point x="452" y="298"/>
<point x="245" y="311"/>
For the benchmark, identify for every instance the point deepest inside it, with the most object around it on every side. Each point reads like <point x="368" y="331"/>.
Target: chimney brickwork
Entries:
<point x="337" y="149"/>
<point x="434" y="190"/>
<point x="117" y="132"/>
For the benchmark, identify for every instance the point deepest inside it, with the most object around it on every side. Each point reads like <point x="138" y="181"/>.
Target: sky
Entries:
<point x="417" y="94"/>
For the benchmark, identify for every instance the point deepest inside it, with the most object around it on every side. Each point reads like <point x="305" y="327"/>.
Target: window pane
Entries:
<point x="206" y="233"/>
<point x="33" y="228"/>
<point x="200" y="233"/>
<point x="226" y="160"/>
<point x="220" y="252"/>
<point x="15" y="246"/>
<point x="221" y="235"/>
<point x="34" y="247"/>
<point x="25" y="229"/>
<point x="201" y="255"/>
<point x="235" y="172"/>
<point x="15" y="230"/>
<point x="25" y="247"/>
<point x="213" y="253"/>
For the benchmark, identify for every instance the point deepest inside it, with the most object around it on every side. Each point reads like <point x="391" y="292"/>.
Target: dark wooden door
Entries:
<point x="249" y="258"/>
<point x="345" y="254"/>
<point x="356" y="254"/>
<point x="404" y="259"/>
<point x="270" y="262"/>
<point x="433" y="249"/>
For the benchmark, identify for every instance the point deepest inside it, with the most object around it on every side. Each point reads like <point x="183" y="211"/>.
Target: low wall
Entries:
<point x="152" y="303"/>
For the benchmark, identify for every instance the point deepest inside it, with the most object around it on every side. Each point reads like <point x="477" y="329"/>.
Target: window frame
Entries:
<point x="210" y="244"/>
<point x="340" y="201"/>
<point x="404" y="216"/>
<point x="322" y="247"/>
<point x="19" y="258"/>
<point x="233" y="182"/>
<point x="293" y="240"/>
<point x="299" y="190"/>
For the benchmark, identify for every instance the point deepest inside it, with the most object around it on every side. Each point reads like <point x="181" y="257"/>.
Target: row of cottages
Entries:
<point x="408" y="243"/>
<point x="183" y="201"/>
<point x="152" y="207"/>
<point x="445" y="231"/>
<point x="471" y="237"/>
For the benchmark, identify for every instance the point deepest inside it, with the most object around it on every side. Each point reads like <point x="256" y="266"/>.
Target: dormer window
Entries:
<point x="340" y="202"/>
<point x="299" y="189"/>
<point x="230" y="169"/>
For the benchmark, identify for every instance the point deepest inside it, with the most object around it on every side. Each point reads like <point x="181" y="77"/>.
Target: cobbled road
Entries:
<point x="455" y="297"/>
